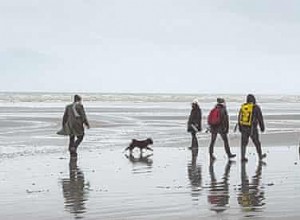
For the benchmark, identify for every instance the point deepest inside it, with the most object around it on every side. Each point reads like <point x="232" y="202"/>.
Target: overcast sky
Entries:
<point x="190" y="46"/>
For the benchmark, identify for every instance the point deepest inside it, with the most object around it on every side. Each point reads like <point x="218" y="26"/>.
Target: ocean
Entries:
<point x="39" y="180"/>
<point x="29" y="121"/>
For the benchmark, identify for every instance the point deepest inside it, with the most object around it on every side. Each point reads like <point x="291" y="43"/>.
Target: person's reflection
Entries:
<point x="74" y="190"/>
<point x="218" y="195"/>
<point x="194" y="170"/>
<point x="251" y="196"/>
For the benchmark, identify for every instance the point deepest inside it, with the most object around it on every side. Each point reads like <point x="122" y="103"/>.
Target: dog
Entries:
<point x="143" y="144"/>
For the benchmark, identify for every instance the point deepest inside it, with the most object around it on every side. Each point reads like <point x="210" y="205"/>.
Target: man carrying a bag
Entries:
<point x="250" y="116"/>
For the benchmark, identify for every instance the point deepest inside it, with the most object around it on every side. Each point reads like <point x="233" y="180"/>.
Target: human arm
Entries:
<point x="260" y="118"/>
<point x="82" y="114"/>
<point x="190" y="118"/>
<point x="200" y="120"/>
<point x="65" y="117"/>
<point x="225" y="120"/>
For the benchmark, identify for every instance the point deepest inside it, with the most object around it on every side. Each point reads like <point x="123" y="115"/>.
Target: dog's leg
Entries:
<point x="141" y="152"/>
<point x="148" y="148"/>
<point x="130" y="148"/>
<point x="130" y="151"/>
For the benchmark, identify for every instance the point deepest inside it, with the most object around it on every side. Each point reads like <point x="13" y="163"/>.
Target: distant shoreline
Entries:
<point x="150" y="93"/>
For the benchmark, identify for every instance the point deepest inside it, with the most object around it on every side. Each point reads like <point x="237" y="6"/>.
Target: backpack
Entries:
<point x="214" y="117"/>
<point x="246" y="114"/>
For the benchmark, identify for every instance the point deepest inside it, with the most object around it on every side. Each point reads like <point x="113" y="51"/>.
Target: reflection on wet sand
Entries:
<point x="141" y="164"/>
<point x="218" y="195"/>
<point x="75" y="190"/>
<point x="194" y="171"/>
<point x="251" y="196"/>
<point x="141" y="159"/>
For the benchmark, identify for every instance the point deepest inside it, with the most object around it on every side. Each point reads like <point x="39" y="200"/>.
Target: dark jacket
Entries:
<point x="257" y="117"/>
<point x="73" y="119"/>
<point x="223" y="127"/>
<point x="195" y="118"/>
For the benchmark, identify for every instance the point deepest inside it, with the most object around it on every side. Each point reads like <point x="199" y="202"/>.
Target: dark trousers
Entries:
<point x="213" y="140"/>
<point x="73" y="143"/>
<point x="194" y="141"/>
<point x="193" y="135"/>
<point x="254" y="135"/>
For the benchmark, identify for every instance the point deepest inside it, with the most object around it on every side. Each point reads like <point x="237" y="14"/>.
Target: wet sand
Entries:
<point x="173" y="183"/>
<point x="39" y="181"/>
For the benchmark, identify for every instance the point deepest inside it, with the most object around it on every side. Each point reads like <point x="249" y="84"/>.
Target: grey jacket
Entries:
<point x="73" y="119"/>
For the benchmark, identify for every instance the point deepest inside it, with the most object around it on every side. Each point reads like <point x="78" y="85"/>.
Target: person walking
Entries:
<point x="218" y="122"/>
<point x="250" y="116"/>
<point x="73" y="120"/>
<point x="195" y="120"/>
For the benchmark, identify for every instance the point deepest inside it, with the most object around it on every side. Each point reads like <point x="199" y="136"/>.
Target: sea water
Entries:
<point x="38" y="180"/>
<point x="29" y="121"/>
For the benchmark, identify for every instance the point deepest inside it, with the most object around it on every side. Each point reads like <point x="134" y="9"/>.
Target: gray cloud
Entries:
<point x="150" y="46"/>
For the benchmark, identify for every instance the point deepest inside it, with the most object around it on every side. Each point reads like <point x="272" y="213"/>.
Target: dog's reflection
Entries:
<point x="194" y="171"/>
<point x="251" y="196"/>
<point x="218" y="195"/>
<point x="141" y="159"/>
<point x="74" y="190"/>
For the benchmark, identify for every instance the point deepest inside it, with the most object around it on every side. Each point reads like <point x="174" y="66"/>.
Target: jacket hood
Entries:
<point x="251" y="99"/>
<point x="195" y="106"/>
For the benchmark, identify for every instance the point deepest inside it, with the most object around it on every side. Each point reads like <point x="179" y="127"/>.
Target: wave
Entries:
<point x="17" y="97"/>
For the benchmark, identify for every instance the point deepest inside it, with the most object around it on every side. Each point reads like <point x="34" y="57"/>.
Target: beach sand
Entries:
<point x="173" y="183"/>
<point x="39" y="181"/>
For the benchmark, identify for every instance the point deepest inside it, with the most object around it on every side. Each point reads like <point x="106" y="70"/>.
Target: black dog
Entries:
<point x="140" y="144"/>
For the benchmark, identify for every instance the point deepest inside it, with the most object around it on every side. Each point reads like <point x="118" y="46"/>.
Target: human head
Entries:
<point x="221" y="101"/>
<point x="195" y="102"/>
<point x="77" y="98"/>
<point x="251" y="99"/>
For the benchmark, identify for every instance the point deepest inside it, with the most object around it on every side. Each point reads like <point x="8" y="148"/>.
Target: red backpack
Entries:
<point x="214" y="117"/>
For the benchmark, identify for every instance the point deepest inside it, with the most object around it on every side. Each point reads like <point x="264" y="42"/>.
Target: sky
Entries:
<point x="150" y="46"/>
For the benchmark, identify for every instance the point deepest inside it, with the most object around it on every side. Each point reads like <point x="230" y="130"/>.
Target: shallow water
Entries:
<point x="173" y="183"/>
<point x="29" y="121"/>
<point x="38" y="180"/>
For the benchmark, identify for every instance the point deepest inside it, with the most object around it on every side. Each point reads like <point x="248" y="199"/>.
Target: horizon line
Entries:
<point x="147" y="93"/>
